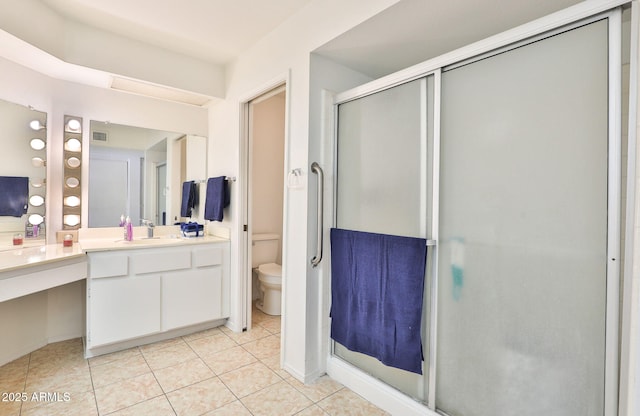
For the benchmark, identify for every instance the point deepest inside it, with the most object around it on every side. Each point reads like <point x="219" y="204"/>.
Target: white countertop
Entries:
<point x="22" y="257"/>
<point x="110" y="244"/>
<point x="91" y="240"/>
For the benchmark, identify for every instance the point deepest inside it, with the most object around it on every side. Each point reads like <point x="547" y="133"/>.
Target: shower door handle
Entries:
<point x="315" y="168"/>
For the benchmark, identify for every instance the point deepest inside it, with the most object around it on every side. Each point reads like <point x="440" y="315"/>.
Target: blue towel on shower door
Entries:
<point x="377" y="284"/>
<point x="217" y="198"/>
<point x="14" y="195"/>
<point x="188" y="198"/>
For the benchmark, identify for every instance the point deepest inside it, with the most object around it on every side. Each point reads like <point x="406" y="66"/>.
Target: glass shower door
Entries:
<point x="522" y="258"/>
<point x="382" y="182"/>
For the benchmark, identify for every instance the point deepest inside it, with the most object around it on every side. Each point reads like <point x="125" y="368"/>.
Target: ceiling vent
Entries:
<point x="159" y="91"/>
<point x="99" y="136"/>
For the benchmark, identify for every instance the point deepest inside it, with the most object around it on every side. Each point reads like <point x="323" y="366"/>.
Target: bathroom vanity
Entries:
<point x="147" y="290"/>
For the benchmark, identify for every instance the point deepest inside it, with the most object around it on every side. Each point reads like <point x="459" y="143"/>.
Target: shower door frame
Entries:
<point x="575" y="16"/>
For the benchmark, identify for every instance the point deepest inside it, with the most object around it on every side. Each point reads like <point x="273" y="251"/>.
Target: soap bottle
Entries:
<point x="28" y="230"/>
<point x="128" y="229"/>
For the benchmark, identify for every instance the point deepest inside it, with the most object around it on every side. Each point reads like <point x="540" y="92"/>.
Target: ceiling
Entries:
<point x="219" y="31"/>
<point x="215" y="31"/>
<point x="413" y="31"/>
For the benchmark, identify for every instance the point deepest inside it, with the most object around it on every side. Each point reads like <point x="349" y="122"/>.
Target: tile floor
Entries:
<point x="214" y="372"/>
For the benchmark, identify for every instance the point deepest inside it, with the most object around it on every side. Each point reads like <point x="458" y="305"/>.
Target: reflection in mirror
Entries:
<point x="23" y="156"/>
<point x="36" y="200"/>
<point x="37" y="144"/>
<point x="130" y="173"/>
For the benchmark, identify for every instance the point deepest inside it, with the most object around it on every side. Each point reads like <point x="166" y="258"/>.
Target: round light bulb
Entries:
<point x="73" y="162"/>
<point x="36" y="125"/>
<point x="73" y="125"/>
<point x="37" y="182"/>
<point x="73" y="145"/>
<point x="36" y="219"/>
<point x="72" y="201"/>
<point x="72" y="182"/>
<point x="37" y="144"/>
<point x="36" y="200"/>
<point x="72" y="220"/>
<point x="38" y="162"/>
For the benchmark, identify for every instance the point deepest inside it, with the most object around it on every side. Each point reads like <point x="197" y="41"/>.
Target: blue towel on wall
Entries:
<point x="377" y="284"/>
<point x="188" y="198"/>
<point x="217" y="198"/>
<point x="14" y="195"/>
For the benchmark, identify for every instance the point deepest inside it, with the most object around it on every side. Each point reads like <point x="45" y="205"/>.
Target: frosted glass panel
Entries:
<point x="382" y="186"/>
<point x="381" y="149"/>
<point x="523" y="230"/>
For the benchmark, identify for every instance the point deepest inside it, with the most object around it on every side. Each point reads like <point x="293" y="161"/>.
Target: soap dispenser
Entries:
<point x="128" y="229"/>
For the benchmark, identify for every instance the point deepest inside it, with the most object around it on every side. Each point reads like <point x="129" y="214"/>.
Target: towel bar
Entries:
<point x="229" y="178"/>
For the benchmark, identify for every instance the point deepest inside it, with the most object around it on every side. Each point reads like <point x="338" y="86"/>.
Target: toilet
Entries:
<point x="264" y="254"/>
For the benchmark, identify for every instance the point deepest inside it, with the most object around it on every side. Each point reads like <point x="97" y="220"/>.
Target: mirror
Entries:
<point x="138" y="172"/>
<point x="23" y="174"/>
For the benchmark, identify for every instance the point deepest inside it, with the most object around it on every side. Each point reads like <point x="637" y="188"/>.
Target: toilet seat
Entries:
<point x="270" y="272"/>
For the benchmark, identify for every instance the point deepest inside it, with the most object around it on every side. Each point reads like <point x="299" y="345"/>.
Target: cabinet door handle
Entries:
<point x="315" y="167"/>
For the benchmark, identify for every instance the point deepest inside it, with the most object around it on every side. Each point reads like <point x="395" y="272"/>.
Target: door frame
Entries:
<point x="244" y="226"/>
<point x="158" y="214"/>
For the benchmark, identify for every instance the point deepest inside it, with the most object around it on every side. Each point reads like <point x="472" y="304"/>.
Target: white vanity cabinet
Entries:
<point x="187" y="294"/>
<point x="136" y="293"/>
<point x="123" y="307"/>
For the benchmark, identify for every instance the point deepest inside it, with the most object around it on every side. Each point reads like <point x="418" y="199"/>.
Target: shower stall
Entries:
<point x="508" y="162"/>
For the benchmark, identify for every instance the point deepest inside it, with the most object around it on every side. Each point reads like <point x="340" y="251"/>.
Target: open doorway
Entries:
<point x="265" y="161"/>
<point x="161" y="194"/>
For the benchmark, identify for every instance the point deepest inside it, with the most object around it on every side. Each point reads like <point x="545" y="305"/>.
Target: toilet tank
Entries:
<point x="264" y="249"/>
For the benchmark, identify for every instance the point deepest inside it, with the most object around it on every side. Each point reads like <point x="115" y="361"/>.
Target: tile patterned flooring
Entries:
<point x="214" y="372"/>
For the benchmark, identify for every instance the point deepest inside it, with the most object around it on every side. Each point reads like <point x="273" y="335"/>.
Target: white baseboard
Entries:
<point x="94" y="351"/>
<point x="382" y="395"/>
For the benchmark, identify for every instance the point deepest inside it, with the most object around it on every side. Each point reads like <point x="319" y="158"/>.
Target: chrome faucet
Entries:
<point x="149" y="225"/>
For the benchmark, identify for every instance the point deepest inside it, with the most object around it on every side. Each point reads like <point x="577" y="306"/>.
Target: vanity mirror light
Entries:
<point x="138" y="172"/>
<point x="72" y="154"/>
<point x="22" y="174"/>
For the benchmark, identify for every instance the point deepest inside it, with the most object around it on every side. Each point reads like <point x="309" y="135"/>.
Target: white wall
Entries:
<point x="326" y="78"/>
<point x="283" y="55"/>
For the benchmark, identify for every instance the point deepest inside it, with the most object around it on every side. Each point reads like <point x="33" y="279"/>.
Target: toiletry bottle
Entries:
<point x="125" y="231"/>
<point x="129" y="228"/>
<point x="28" y="230"/>
<point x="121" y="221"/>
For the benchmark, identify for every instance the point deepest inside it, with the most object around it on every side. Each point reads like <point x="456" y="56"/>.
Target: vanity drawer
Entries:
<point x="108" y="265"/>
<point x="161" y="260"/>
<point x="207" y="256"/>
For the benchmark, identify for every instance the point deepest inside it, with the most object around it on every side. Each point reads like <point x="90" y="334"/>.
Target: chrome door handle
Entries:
<point x="315" y="168"/>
